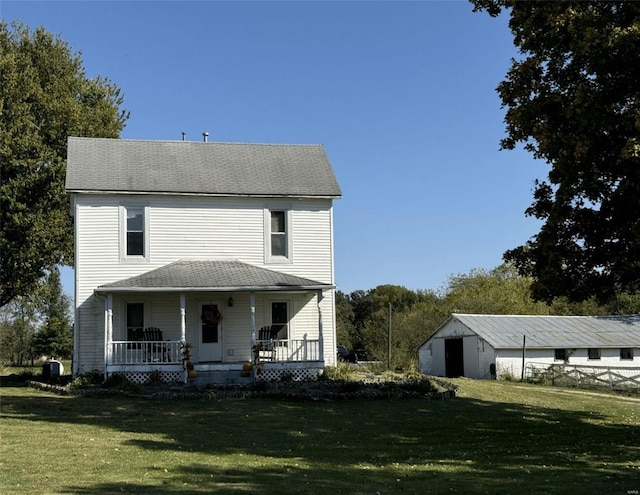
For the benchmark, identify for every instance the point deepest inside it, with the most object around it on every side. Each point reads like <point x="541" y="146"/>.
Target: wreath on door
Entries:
<point x="211" y="316"/>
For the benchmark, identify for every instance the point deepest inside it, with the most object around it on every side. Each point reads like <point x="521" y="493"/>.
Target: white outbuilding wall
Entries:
<point x="478" y="359"/>
<point x="509" y="361"/>
<point x="476" y="353"/>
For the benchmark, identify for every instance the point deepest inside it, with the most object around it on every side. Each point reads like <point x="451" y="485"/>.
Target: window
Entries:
<point x="593" y="353"/>
<point x="279" y="234"/>
<point x="135" y="321"/>
<point x="561" y="355"/>
<point x="135" y="231"/>
<point x="280" y="318"/>
<point x="210" y="319"/>
<point x="626" y="353"/>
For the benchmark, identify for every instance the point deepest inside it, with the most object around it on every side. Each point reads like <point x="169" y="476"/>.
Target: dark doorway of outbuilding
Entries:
<point x="453" y="358"/>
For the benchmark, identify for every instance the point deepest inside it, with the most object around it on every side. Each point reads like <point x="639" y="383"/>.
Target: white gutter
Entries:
<point x="270" y="288"/>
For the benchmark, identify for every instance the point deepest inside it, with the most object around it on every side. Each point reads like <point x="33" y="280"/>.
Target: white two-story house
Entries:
<point x="224" y="250"/>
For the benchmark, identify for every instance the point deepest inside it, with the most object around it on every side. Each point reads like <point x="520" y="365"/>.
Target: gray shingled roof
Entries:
<point x="118" y="165"/>
<point x="571" y="332"/>
<point x="220" y="275"/>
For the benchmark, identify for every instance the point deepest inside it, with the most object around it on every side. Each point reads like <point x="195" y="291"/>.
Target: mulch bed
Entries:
<point x="427" y="388"/>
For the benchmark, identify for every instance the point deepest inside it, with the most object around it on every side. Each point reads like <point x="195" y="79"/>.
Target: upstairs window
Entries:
<point x="277" y="225"/>
<point x="278" y="233"/>
<point x="135" y="231"/>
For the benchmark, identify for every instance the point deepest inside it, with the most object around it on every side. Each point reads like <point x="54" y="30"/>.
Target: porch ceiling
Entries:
<point x="212" y="276"/>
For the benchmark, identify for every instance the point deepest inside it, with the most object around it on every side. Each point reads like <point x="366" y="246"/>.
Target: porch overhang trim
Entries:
<point x="213" y="276"/>
<point x="107" y="290"/>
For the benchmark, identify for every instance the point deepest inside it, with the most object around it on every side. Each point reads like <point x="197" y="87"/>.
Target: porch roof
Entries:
<point x="212" y="276"/>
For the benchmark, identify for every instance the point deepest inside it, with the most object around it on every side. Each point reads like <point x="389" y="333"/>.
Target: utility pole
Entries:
<point x="524" y="352"/>
<point x="389" y="340"/>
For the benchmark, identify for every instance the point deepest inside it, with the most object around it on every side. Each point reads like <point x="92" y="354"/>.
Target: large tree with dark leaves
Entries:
<point x="44" y="98"/>
<point x="573" y="99"/>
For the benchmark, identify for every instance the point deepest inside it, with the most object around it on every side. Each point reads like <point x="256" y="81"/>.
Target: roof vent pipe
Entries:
<point x="184" y="136"/>
<point x="205" y="136"/>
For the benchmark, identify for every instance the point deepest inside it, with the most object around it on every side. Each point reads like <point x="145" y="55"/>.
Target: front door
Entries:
<point x="210" y="333"/>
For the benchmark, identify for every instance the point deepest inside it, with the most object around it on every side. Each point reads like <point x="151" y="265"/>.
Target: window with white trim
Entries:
<point x="134" y="233"/>
<point x="135" y="322"/>
<point x="277" y="235"/>
<point x="280" y="319"/>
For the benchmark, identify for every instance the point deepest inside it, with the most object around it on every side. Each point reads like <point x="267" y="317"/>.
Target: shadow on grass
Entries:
<point x="356" y="447"/>
<point x="20" y="379"/>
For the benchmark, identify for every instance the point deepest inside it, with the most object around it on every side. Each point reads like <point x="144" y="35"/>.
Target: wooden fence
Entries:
<point x="571" y="375"/>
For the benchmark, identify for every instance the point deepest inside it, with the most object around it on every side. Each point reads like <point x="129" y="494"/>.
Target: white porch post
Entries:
<point x="108" y="314"/>
<point x="320" y="335"/>
<point x="183" y="319"/>
<point x="183" y="329"/>
<point x="252" y="304"/>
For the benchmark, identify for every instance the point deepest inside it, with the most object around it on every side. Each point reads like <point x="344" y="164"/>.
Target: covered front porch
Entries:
<point x="141" y="362"/>
<point x="217" y="322"/>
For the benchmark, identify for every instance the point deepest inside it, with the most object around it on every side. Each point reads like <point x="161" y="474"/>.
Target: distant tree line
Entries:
<point x="38" y="325"/>
<point x="362" y="317"/>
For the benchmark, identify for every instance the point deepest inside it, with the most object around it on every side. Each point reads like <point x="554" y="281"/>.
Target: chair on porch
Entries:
<point x="154" y="350"/>
<point x="267" y="349"/>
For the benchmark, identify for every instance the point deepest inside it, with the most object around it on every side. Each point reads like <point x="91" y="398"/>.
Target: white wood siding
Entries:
<point x="187" y="227"/>
<point x="184" y="227"/>
<point x="471" y="354"/>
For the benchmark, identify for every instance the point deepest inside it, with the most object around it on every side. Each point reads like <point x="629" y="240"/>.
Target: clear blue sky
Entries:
<point x="401" y="94"/>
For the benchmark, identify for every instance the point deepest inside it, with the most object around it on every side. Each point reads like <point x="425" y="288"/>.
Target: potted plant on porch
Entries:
<point x="186" y="360"/>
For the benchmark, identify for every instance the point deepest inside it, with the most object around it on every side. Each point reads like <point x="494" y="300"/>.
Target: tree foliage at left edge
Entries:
<point x="572" y="98"/>
<point x="45" y="97"/>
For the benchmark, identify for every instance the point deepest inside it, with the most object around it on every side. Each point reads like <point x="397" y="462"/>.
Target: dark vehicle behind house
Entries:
<point x="345" y="355"/>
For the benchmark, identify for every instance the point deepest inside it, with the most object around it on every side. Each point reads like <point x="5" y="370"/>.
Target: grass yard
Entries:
<point x="496" y="437"/>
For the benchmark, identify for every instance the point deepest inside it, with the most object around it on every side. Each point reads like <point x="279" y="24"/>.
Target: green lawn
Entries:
<point x="496" y="437"/>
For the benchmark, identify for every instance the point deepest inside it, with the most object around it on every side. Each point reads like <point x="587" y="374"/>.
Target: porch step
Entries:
<point x="220" y="377"/>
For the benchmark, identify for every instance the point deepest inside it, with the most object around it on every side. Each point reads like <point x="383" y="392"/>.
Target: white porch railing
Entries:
<point x="291" y="350"/>
<point x="127" y="352"/>
<point x="170" y="352"/>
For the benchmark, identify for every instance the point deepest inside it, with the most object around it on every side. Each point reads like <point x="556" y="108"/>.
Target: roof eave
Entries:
<point x="219" y="195"/>
<point x="266" y="288"/>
